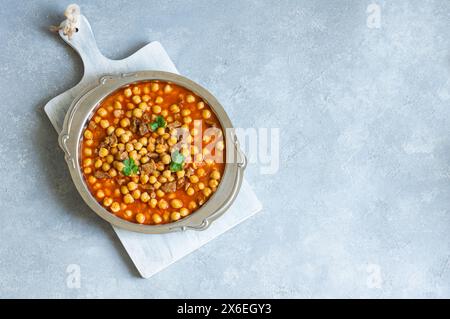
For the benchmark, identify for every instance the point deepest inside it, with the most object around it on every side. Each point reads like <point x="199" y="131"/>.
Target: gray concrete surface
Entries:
<point x="360" y="206"/>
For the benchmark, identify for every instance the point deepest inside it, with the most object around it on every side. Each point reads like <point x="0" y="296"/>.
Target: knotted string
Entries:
<point x="70" y="25"/>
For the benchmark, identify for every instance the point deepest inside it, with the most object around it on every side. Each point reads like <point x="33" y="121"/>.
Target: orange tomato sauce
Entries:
<point x="126" y="127"/>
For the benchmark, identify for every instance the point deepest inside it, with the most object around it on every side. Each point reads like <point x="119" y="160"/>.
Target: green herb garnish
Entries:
<point x="177" y="161"/>
<point x="130" y="167"/>
<point x="159" y="122"/>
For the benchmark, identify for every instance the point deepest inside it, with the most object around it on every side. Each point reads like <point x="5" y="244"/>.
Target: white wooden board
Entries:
<point x="149" y="253"/>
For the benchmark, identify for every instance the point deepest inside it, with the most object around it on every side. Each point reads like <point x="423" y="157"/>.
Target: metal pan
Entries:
<point x="82" y="109"/>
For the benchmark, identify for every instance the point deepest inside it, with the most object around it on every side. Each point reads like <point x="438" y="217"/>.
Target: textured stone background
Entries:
<point x="360" y="206"/>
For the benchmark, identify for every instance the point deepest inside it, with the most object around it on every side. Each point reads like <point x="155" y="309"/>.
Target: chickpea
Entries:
<point x="107" y="201"/>
<point x="167" y="173"/>
<point x="159" y="100"/>
<point x="87" y="162"/>
<point x="115" y="207"/>
<point x="106" y="167"/>
<point x="137" y="113"/>
<point x="168" y="89"/>
<point x="89" y="142"/>
<point x="206" y="138"/>
<point x="145" y="197"/>
<point x="92" y="179"/>
<point x="176" y="203"/>
<point x="130" y="106"/>
<point x="104" y="124"/>
<point x="207" y="191"/>
<point x="125" y="122"/>
<point x="200" y="105"/>
<point x="156" y="109"/>
<point x="124" y="138"/>
<point x="146" y="98"/>
<point x="124" y="190"/>
<point x="185" y="112"/>
<point x="155" y="87"/>
<point x="162" y="179"/>
<point x="88" y="151"/>
<point x="102" y="112"/>
<point x="193" y="179"/>
<point x="215" y="175"/>
<point x="140" y="218"/>
<point x="132" y="186"/>
<point x="190" y="191"/>
<point x="119" y="131"/>
<point x="143" y="179"/>
<point x="136" y="194"/>
<point x="166" y="159"/>
<point x="174" y="108"/>
<point x="160" y="148"/>
<point x="117" y="105"/>
<point x="136" y="99"/>
<point x="175" y="216"/>
<point x="172" y="141"/>
<point x="190" y="98"/>
<point x="127" y="92"/>
<point x="109" y="159"/>
<point x="213" y="183"/>
<point x="201" y="186"/>
<point x="160" y="193"/>
<point x="103" y="152"/>
<point x="119" y="166"/>
<point x="156" y="218"/>
<point x="187" y="120"/>
<point x="98" y="163"/>
<point x="112" y="172"/>
<point x="128" y="199"/>
<point x="184" y="212"/>
<point x="192" y="205"/>
<point x="153" y="202"/>
<point x="206" y="114"/>
<point x="136" y="90"/>
<point x="180" y="174"/>
<point x="163" y="204"/>
<point x="110" y="130"/>
<point x="129" y="147"/>
<point x="87" y="170"/>
<point x="160" y="131"/>
<point x="88" y="134"/>
<point x="220" y="146"/>
<point x="152" y="179"/>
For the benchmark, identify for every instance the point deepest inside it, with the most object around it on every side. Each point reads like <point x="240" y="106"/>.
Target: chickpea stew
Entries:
<point x="146" y="156"/>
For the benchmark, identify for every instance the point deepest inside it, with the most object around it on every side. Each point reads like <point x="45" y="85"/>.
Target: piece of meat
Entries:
<point x="186" y="186"/>
<point x="169" y="187"/>
<point x="153" y="155"/>
<point x="121" y="181"/>
<point x="92" y="125"/>
<point x="148" y="187"/>
<point x="146" y="117"/>
<point x="189" y="171"/>
<point x="101" y="174"/>
<point x="143" y="129"/>
<point x="174" y="124"/>
<point x="148" y="168"/>
<point x="122" y="155"/>
<point x="134" y="124"/>
<point x="210" y="123"/>
<point x="180" y="183"/>
<point x="201" y="200"/>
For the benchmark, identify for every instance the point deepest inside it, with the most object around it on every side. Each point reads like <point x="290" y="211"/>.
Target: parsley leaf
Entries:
<point x="130" y="167"/>
<point x="177" y="161"/>
<point x="175" y="167"/>
<point x="159" y="122"/>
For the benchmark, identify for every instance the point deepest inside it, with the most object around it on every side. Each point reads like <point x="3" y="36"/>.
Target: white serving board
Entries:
<point x="149" y="253"/>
